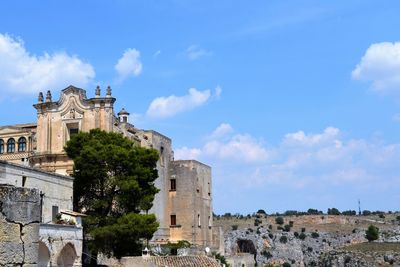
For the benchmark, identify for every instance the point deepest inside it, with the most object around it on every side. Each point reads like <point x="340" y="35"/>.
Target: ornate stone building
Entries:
<point x="183" y="206"/>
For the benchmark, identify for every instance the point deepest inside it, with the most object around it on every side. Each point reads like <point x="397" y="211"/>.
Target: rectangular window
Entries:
<point x="73" y="131"/>
<point x="54" y="212"/>
<point x="23" y="181"/>
<point x="173" y="185"/>
<point x="173" y="220"/>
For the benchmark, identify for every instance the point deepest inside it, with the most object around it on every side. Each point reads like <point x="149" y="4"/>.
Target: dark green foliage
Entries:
<point x="283" y="239"/>
<point x="333" y="211"/>
<point x="398" y="218"/>
<point x="314" y="235"/>
<point x="349" y="212"/>
<point x="113" y="184"/>
<point x="286" y="228"/>
<point x="235" y="227"/>
<point x="261" y="212"/>
<point x="372" y="233"/>
<point x="366" y="213"/>
<point x="302" y="236"/>
<point x="313" y="212"/>
<point x="270" y="226"/>
<point x="286" y="264"/>
<point x="296" y="234"/>
<point x="279" y="220"/>
<point x="257" y="222"/>
<point x="309" y="249"/>
<point x="220" y="258"/>
<point x="271" y="235"/>
<point x="266" y="254"/>
<point x="382" y="216"/>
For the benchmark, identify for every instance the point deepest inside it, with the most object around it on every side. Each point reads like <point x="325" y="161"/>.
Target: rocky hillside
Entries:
<point x="308" y="240"/>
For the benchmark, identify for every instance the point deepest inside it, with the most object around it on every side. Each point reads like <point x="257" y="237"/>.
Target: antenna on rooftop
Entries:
<point x="359" y="207"/>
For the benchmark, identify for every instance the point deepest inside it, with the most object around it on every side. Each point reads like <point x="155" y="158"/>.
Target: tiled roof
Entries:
<point x="183" y="261"/>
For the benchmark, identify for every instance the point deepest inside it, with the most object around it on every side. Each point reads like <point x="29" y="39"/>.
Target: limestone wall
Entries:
<point x="19" y="226"/>
<point x="57" y="189"/>
<point x="191" y="202"/>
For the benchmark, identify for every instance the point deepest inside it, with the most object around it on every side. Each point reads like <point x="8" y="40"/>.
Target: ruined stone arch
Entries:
<point x="67" y="256"/>
<point x="44" y="255"/>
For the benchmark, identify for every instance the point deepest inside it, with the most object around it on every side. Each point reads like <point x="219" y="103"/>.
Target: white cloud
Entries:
<point x="238" y="147"/>
<point x="194" y="52"/>
<point x="22" y="72"/>
<point x="222" y="130"/>
<point x="300" y="138"/>
<point x="380" y="65"/>
<point x="129" y="64"/>
<point x="164" y="107"/>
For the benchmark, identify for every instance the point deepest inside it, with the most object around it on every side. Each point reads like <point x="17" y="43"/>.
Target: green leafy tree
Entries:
<point x="113" y="185"/>
<point x="372" y="233"/>
<point x="279" y="220"/>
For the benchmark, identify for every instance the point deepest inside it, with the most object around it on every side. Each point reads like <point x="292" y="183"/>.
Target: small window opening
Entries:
<point x="23" y="181"/>
<point x="54" y="212"/>
<point x="173" y="220"/>
<point x="173" y="185"/>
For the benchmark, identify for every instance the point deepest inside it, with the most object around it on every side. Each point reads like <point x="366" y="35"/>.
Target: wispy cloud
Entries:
<point x="380" y="65"/>
<point x="303" y="163"/>
<point x="169" y="106"/>
<point x="195" y="52"/>
<point x="129" y="64"/>
<point x="23" y="72"/>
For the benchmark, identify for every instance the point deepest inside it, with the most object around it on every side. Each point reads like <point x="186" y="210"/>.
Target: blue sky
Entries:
<point x="295" y="104"/>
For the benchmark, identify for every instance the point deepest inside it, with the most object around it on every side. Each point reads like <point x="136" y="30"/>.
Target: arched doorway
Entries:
<point x="44" y="255"/>
<point x="67" y="256"/>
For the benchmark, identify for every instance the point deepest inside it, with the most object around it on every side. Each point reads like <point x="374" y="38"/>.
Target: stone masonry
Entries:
<point x="19" y="226"/>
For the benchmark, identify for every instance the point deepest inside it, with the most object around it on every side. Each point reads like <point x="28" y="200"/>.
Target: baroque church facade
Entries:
<point x="183" y="206"/>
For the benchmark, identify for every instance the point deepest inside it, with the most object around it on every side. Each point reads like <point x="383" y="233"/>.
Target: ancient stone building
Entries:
<point x="183" y="206"/>
<point x="37" y="198"/>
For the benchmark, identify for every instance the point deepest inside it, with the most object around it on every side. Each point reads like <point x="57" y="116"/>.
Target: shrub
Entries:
<point x="257" y="222"/>
<point x="286" y="228"/>
<point x="266" y="254"/>
<point x="235" y="227"/>
<point x="314" y="235"/>
<point x="261" y="211"/>
<point x="382" y="216"/>
<point x="398" y="218"/>
<point x="283" y="239"/>
<point x="366" y="212"/>
<point x="309" y="249"/>
<point x="302" y="236"/>
<point x="271" y="235"/>
<point x="279" y="220"/>
<point x="372" y="233"/>
<point x="296" y="234"/>
<point x="270" y="226"/>
<point x="333" y="211"/>
<point x="286" y="264"/>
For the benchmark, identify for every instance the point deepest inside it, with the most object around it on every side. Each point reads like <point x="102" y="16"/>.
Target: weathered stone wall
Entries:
<point x="19" y="226"/>
<point x="57" y="189"/>
<point x="192" y="202"/>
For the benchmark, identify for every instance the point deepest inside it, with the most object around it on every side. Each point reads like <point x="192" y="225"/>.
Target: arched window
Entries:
<point x="1" y="146"/>
<point x="11" y="145"/>
<point x="22" y="144"/>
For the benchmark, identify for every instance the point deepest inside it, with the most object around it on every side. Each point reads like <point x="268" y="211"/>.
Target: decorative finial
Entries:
<point x="48" y="96"/>
<point x="108" y="91"/>
<point x="97" y="92"/>
<point x="40" y="97"/>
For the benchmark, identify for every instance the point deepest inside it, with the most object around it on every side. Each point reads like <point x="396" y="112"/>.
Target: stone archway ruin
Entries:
<point x="67" y="256"/>
<point x="246" y="246"/>
<point x="44" y="255"/>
